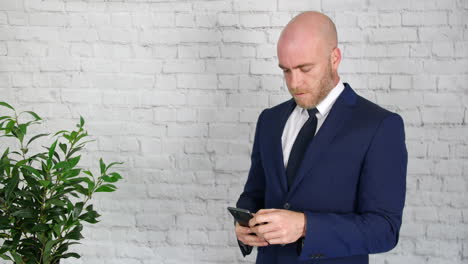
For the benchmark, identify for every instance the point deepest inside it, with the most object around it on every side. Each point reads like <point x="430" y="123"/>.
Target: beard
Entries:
<point x="317" y="92"/>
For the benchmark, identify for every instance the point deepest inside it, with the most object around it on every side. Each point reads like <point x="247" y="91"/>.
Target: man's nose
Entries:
<point x="296" y="79"/>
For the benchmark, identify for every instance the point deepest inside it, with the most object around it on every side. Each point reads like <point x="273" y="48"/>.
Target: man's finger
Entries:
<point x="262" y="229"/>
<point x="265" y="211"/>
<point x="250" y="240"/>
<point x="262" y="218"/>
<point x="271" y="236"/>
<point x="243" y="230"/>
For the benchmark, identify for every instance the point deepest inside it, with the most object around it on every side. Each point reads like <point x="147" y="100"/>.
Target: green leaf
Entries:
<point x="34" y="115"/>
<point x="82" y="121"/>
<point x="51" y="154"/>
<point x="102" y="166"/>
<point x="73" y="161"/>
<point x="24" y="213"/>
<point x="113" y="163"/>
<point x="16" y="257"/>
<point x="113" y="177"/>
<point x="77" y="210"/>
<point x="40" y="228"/>
<point x="32" y="170"/>
<point x="60" y="132"/>
<point x="36" y="137"/>
<point x="12" y="184"/>
<point x="75" y="234"/>
<point x="106" y="188"/>
<point x="71" y="254"/>
<point x="44" y="183"/>
<point x="63" y="147"/>
<point x="56" y="202"/>
<point x="5" y="257"/>
<point x="6" y="105"/>
<point x="48" y="248"/>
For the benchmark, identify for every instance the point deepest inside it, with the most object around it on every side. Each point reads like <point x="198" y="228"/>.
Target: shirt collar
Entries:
<point x="326" y="104"/>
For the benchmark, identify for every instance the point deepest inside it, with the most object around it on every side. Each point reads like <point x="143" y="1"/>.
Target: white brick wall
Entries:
<point x="174" y="88"/>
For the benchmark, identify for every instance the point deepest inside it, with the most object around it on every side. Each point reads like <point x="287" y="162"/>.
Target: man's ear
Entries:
<point x="335" y="58"/>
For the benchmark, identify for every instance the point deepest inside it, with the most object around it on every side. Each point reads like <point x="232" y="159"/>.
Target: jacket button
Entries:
<point x="286" y="206"/>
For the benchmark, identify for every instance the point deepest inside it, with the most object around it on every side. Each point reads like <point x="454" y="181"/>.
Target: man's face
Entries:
<point x="307" y="70"/>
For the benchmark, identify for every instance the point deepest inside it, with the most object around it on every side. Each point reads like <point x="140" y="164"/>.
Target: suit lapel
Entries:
<point x="340" y="112"/>
<point x="277" y="144"/>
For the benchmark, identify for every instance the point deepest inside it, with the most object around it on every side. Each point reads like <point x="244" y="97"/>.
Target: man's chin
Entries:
<point x="305" y="105"/>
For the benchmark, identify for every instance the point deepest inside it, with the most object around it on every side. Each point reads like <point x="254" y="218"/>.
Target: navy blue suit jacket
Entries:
<point x="351" y="184"/>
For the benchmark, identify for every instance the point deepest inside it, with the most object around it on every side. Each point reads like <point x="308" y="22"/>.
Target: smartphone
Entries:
<point x="242" y="216"/>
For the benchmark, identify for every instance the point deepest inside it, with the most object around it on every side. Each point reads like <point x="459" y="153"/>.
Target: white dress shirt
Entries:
<point x="300" y="115"/>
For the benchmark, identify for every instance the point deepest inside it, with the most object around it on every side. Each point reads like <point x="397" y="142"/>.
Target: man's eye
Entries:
<point x="285" y="70"/>
<point x="305" y="69"/>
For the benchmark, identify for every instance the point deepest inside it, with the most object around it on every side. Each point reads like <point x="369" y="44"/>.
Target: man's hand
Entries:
<point x="244" y="234"/>
<point x="278" y="226"/>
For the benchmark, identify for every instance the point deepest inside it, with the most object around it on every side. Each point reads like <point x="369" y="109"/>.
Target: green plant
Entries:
<point x="44" y="196"/>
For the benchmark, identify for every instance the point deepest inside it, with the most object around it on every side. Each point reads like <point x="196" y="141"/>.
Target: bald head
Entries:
<point x="309" y="57"/>
<point x="310" y="26"/>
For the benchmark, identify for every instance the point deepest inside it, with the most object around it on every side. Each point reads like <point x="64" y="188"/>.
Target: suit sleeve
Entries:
<point x="253" y="196"/>
<point x="375" y="226"/>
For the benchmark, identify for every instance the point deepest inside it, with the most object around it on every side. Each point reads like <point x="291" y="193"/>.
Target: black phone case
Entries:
<point x="240" y="215"/>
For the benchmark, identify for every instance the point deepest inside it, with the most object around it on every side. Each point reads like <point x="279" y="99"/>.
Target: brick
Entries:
<point x="12" y="5"/>
<point x="227" y="131"/>
<point x="18" y="18"/>
<point x="264" y="67"/>
<point x="48" y="19"/>
<point x="184" y="66"/>
<point x="198" y="81"/>
<point x="442" y="116"/>
<point x="429" y="34"/>
<point x="359" y="65"/>
<point x="299" y="5"/>
<point x="248" y="83"/>
<point x="254" y="5"/>
<point x="279" y="19"/>
<point x="402" y="82"/>
<point x="254" y="20"/>
<point x="424" y="18"/>
<point x="228" y="82"/>
<point x="403" y="66"/>
<point x="232" y="163"/>
<point x="411" y="5"/>
<point x="272" y="83"/>
<point x="247" y="100"/>
<point x="217" y="6"/>
<point x="236" y="51"/>
<point x="393" y="34"/>
<point x="228" y="19"/>
<point x="389" y="19"/>
<point x="163" y="19"/>
<point x="3" y="19"/>
<point x="364" y="50"/>
<point x="142" y="66"/>
<point x="446" y="66"/>
<point x="461" y="49"/>
<point x="346" y="35"/>
<point x="206" y="99"/>
<point x="184" y="20"/>
<point x="266" y="51"/>
<point x="420" y="50"/>
<point x="227" y="66"/>
<point x="243" y="36"/>
<point x="206" y="20"/>
<point x="162" y="98"/>
<point x="369" y="20"/>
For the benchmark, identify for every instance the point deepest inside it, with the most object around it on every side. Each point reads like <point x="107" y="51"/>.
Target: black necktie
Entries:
<point x="305" y="136"/>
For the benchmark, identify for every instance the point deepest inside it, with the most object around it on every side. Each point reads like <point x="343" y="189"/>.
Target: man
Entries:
<point x="328" y="173"/>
